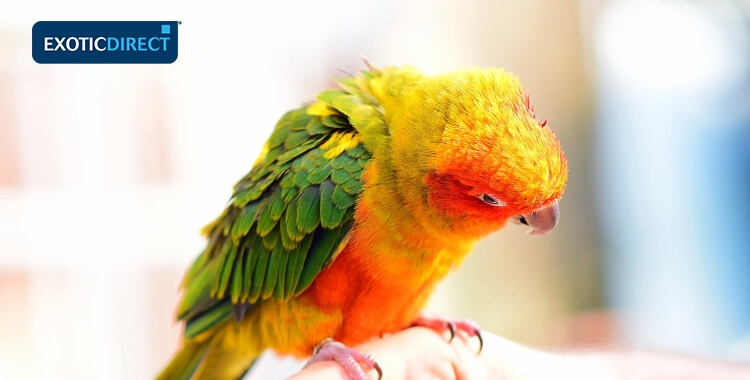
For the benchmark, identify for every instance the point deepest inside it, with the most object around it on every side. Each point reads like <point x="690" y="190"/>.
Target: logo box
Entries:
<point x="104" y="41"/>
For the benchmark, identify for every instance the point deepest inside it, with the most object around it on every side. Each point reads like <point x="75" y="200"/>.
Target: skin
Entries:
<point x="415" y="353"/>
<point x="420" y="354"/>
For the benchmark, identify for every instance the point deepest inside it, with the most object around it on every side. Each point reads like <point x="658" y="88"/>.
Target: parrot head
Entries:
<point x="476" y="156"/>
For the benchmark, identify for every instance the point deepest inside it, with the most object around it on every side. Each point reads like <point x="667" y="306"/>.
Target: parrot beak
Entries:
<point x="541" y="221"/>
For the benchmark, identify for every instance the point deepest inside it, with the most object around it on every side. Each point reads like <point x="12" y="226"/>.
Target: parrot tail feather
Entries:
<point x="187" y="360"/>
<point x="201" y="361"/>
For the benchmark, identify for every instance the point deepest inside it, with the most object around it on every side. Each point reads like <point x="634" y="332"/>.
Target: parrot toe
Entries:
<point x="353" y="361"/>
<point x="439" y="323"/>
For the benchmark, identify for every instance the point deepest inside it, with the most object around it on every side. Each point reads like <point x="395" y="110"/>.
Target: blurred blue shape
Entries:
<point x="673" y="153"/>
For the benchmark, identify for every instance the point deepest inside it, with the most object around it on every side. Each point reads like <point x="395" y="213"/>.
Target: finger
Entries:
<point x="468" y="365"/>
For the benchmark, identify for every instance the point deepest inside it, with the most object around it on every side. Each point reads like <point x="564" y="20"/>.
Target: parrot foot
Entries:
<point x="435" y="322"/>
<point x="353" y="361"/>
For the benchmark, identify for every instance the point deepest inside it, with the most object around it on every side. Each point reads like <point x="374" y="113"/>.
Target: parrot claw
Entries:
<point x="441" y="324"/>
<point x="353" y="361"/>
<point x="452" y="328"/>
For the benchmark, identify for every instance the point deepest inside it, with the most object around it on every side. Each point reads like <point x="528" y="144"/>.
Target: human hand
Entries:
<point x="421" y="354"/>
<point x="417" y="354"/>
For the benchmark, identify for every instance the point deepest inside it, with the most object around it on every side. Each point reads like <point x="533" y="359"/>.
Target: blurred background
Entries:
<point x="107" y="172"/>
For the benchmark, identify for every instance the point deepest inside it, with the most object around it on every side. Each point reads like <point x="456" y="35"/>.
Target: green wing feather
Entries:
<point x="287" y="218"/>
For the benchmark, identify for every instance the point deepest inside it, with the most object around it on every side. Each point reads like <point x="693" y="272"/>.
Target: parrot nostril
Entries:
<point x="522" y="220"/>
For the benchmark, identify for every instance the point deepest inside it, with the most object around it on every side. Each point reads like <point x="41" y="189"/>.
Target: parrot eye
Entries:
<point x="490" y="200"/>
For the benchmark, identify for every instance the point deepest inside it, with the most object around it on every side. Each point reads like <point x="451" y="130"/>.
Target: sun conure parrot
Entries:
<point x="359" y="203"/>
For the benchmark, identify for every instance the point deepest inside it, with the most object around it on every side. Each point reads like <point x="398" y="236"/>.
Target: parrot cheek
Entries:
<point x="449" y="196"/>
<point x="467" y="214"/>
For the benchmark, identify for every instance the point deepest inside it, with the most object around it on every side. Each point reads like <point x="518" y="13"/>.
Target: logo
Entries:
<point x="104" y="41"/>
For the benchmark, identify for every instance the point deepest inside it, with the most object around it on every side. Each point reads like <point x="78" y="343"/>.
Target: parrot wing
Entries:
<point x="287" y="219"/>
